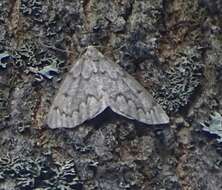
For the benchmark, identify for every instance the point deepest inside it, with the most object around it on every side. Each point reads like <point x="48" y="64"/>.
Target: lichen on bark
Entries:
<point x="173" y="48"/>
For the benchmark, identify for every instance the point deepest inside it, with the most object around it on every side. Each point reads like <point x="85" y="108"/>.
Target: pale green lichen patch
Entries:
<point x="39" y="173"/>
<point x="214" y="126"/>
<point x="31" y="57"/>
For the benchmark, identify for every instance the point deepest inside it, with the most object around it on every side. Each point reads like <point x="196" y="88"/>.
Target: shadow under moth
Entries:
<point x="95" y="83"/>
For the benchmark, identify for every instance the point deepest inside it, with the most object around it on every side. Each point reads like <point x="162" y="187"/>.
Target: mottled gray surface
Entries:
<point x="95" y="84"/>
<point x="172" y="48"/>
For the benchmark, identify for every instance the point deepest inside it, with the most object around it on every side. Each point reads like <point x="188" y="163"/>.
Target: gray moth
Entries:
<point x="95" y="83"/>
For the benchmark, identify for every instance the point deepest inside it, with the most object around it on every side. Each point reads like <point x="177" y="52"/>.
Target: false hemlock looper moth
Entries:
<point x="95" y="83"/>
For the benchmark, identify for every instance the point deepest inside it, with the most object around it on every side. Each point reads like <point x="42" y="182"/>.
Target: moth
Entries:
<point x="94" y="84"/>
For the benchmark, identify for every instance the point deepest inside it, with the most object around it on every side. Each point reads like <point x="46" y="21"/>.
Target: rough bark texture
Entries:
<point x="173" y="48"/>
